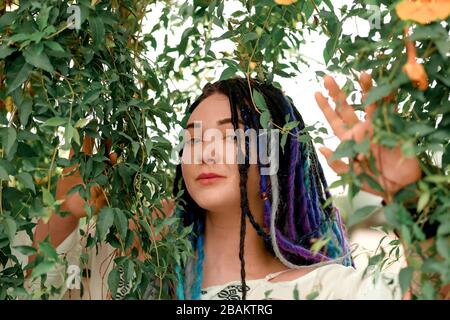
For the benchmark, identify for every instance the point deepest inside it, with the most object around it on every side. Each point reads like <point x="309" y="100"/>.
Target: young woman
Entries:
<point x="254" y="233"/>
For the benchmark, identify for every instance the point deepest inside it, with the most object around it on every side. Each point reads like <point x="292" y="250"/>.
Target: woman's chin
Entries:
<point x="215" y="199"/>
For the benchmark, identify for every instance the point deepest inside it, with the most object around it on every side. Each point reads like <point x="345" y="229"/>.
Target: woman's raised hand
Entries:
<point x="396" y="170"/>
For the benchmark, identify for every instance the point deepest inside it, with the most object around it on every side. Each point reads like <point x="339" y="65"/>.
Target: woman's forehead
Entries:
<point x="214" y="108"/>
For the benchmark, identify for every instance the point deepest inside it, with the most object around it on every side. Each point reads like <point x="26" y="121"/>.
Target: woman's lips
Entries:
<point x="208" y="178"/>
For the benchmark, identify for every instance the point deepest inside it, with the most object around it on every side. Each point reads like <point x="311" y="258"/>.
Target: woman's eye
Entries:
<point x="229" y="138"/>
<point x="194" y="140"/>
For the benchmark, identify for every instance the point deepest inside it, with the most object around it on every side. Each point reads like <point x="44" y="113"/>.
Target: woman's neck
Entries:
<point x="221" y="247"/>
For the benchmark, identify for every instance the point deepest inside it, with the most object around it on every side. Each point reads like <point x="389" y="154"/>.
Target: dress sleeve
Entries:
<point x="69" y="250"/>
<point x="379" y="286"/>
<point x="352" y="284"/>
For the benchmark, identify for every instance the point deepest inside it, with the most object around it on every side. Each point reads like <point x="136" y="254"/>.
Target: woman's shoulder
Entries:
<point x="336" y="281"/>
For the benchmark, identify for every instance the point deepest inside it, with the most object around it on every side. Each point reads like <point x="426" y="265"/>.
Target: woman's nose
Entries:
<point x="209" y="153"/>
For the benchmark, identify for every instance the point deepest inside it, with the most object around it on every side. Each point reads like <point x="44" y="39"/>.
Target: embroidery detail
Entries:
<point x="232" y="292"/>
<point x="123" y="287"/>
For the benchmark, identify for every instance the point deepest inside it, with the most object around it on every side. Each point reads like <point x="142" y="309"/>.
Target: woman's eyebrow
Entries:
<point x="191" y="125"/>
<point x="219" y="122"/>
<point x="228" y="120"/>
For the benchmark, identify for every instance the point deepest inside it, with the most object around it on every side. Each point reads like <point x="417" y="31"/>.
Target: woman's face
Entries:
<point x="209" y="161"/>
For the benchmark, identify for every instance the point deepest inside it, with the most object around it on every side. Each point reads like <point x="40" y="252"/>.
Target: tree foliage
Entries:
<point x="114" y="80"/>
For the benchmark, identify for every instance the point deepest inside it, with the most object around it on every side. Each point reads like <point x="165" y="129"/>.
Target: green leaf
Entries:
<point x="361" y="214"/>
<point x="345" y="149"/>
<point x="371" y="182"/>
<point x="291" y="125"/>
<point x="35" y="56"/>
<point x="69" y="133"/>
<point x="283" y="140"/>
<point x="54" y="46"/>
<point x="3" y="174"/>
<point x="423" y="201"/>
<point x="42" y="268"/>
<point x="25" y="110"/>
<point x="259" y="100"/>
<point x="405" y="278"/>
<point x="228" y="73"/>
<point x="249" y="36"/>
<point x="19" y="77"/>
<point x="113" y="281"/>
<point x="264" y="119"/>
<point x="378" y="93"/>
<point x="332" y="43"/>
<point x="26" y="250"/>
<point x="97" y="29"/>
<point x="91" y="96"/>
<point x="47" y="197"/>
<point x="443" y="47"/>
<point x="8" y="139"/>
<point x="129" y="271"/>
<point x="47" y="249"/>
<point x="5" y="51"/>
<point x="42" y="18"/>
<point x="267" y="294"/>
<point x="121" y="223"/>
<point x="10" y="228"/>
<point x="8" y="18"/>
<point x="391" y="213"/>
<point x="444" y="229"/>
<point x="438" y="179"/>
<point x="81" y="123"/>
<point x="363" y="147"/>
<point x="428" y="290"/>
<point x="296" y="294"/>
<point x="105" y="220"/>
<point x="443" y="247"/>
<point x="27" y="180"/>
<point x="54" y="122"/>
<point x="312" y="295"/>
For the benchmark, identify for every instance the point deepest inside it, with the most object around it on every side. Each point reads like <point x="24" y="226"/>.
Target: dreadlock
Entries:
<point x="295" y="198"/>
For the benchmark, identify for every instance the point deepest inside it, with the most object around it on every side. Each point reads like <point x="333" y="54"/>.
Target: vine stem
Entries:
<point x="157" y="257"/>
<point x="10" y="123"/>
<point x="249" y="72"/>
<point x="73" y="95"/>
<point x="50" y="169"/>
<point x="58" y="32"/>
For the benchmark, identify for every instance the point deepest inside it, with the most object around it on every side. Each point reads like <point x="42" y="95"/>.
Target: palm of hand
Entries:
<point x="396" y="170"/>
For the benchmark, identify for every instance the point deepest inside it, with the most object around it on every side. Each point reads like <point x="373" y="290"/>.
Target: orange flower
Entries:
<point x="285" y="2"/>
<point x="423" y="11"/>
<point x="415" y="71"/>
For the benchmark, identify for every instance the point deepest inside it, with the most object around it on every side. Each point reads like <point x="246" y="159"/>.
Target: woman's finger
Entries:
<point x="336" y="123"/>
<point x="358" y="133"/>
<point x="343" y="109"/>
<point x="338" y="166"/>
<point x="365" y="81"/>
